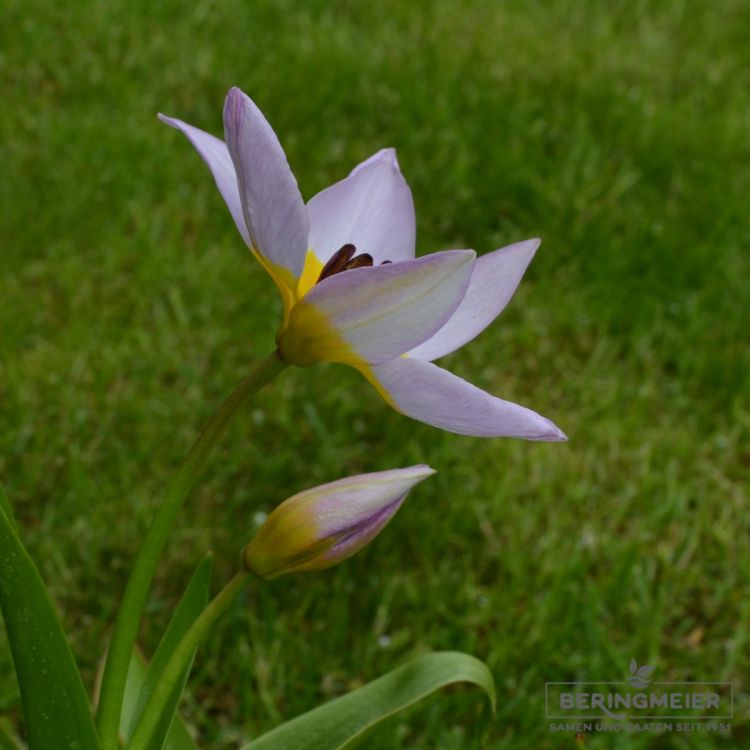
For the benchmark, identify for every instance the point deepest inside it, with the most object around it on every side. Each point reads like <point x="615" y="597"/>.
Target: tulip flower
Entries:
<point x="352" y="289"/>
<point x="322" y="526"/>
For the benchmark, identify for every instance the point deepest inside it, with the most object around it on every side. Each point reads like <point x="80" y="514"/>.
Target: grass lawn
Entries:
<point x="617" y="132"/>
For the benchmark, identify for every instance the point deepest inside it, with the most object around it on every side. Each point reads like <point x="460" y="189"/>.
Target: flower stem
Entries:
<point x="147" y="560"/>
<point x="181" y="658"/>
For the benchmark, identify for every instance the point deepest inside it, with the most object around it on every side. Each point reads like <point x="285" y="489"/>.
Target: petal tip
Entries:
<point x="524" y="247"/>
<point x="554" y="434"/>
<point x="389" y="155"/>
<point x="385" y="157"/>
<point x="464" y="256"/>
<point x="236" y="99"/>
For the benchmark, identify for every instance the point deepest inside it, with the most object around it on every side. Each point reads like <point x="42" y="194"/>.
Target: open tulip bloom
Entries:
<point x="352" y="290"/>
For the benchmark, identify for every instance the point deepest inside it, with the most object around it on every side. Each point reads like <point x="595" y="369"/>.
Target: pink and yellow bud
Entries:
<point x="322" y="526"/>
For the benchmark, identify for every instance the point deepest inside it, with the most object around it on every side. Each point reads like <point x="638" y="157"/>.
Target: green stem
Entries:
<point x="146" y="563"/>
<point x="181" y="657"/>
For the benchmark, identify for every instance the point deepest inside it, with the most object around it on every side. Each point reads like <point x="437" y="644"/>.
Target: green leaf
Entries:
<point x="8" y="739"/>
<point x="179" y="737"/>
<point x="6" y="507"/>
<point x="147" y="561"/>
<point x="172" y="678"/>
<point x="341" y="722"/>
<point x="55" y="704"/>
<point x="191" y="605"/>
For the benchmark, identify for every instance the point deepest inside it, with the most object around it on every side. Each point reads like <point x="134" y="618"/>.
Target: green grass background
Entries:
<point x="616" y="131"/>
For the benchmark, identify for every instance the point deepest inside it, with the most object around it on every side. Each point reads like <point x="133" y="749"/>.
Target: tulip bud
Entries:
<point x="322" y="526"/>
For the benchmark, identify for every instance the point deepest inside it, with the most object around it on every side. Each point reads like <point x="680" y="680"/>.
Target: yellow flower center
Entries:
<point x="306" y="335"/>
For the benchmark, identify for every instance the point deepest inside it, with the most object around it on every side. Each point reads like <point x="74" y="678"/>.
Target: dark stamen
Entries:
<point x="359" y="261"/>
<point x="338" y="261"/>
<point x="386" y="262"/>
<point x="344" y="260"/>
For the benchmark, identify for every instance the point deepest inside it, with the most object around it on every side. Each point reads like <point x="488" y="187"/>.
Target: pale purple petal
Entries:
<point x="214" y="152"/>
<point x="372" y="209"/>
<point x="493" y="282"/>
<point x="387" y="154"/>
<point x="375" y="314"/>
<point x="435" y="396"/>
<point x="354" y="509"/>
<point x="322" y="526"/>
<point x="356" y="537"/>
<point x="273" y="208"/>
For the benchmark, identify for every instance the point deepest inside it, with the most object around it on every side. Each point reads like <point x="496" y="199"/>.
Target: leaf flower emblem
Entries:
<point x="352" y="289"/>
<point x="640" y="677"/>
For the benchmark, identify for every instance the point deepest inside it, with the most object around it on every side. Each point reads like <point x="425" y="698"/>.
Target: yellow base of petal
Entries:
<point x="308" y="337"/>
<point x="366" y="370"/>
<point x="292" y="290"/>
<point x="310" y="274"/>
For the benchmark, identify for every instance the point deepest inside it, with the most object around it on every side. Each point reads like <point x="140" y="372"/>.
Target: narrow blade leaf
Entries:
<point x="341" y="722"/>
<point x="193" y="602"/>
<point x="54" y="700"/>
<point x="179" y="737"/>
<point x="8" y="739"/>
<point x="5" y="506"/>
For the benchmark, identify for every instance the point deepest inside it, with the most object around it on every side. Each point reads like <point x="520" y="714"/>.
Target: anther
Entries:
<point x="344" y="260"/>
<point x="359" y="261"/>
<point x="338" y="261"/>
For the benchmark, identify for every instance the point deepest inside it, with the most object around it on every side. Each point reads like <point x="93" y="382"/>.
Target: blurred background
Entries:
<point x="129" y="306"/>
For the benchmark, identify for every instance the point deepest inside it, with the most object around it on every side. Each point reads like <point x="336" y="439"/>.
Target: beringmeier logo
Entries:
<point x="639" y="704"/>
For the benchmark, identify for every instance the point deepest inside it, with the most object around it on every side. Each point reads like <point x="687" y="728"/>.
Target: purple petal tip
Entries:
<point x="235" y="99"/>
<point x="389" y="154"/>
<point x="554" y="434"/>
